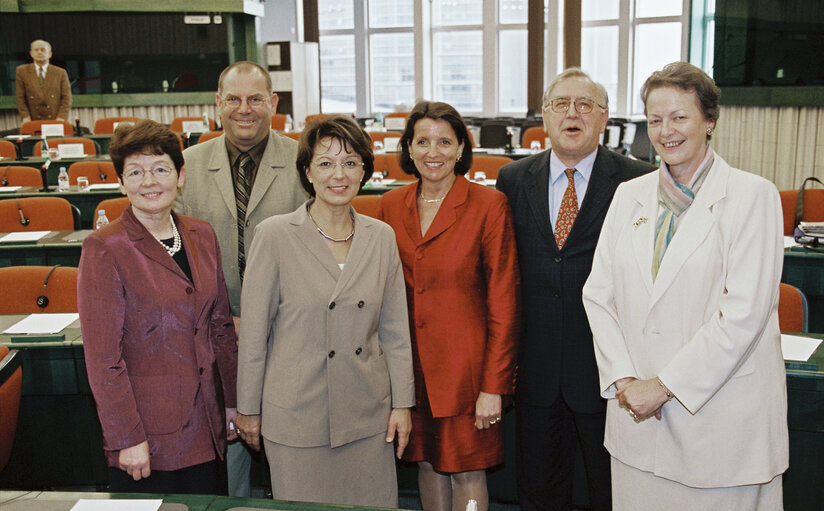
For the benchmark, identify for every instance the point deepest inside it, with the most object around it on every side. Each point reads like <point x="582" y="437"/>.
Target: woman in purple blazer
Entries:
<point x="160" y="345"/>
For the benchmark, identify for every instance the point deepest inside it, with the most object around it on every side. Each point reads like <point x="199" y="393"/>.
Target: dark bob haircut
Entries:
<point x="341" y="128"/>
<point x="439" y="112"/>
<point x="144" y="137"/>
<point x="688" y="78"/>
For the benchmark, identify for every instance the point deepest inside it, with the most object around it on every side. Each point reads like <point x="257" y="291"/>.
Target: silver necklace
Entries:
<point x="176" y="246"/>
<point x="330" y="238"/>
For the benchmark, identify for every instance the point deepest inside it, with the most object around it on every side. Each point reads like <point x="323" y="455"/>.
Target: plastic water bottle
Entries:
<point x="101" y="219"/>
<point x="63" y="180"/>
<point x="206" y="128"/>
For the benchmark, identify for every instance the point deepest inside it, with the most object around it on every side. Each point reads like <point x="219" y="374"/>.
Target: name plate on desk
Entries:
<point x="194" y="127"/>
<point x="71" y="151"/>
<point x="395" y="123"/>
<point x="52" y="130"/>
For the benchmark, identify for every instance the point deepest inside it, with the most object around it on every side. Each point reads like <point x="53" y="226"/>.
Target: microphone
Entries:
<point x="5" y="180"/>
<point x="101" y="175"/>
<point x="23" y="220"/>
<point x="43" y="300"/>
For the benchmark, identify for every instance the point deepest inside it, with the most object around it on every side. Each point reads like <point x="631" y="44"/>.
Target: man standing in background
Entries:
<point x="234" y="182"/>
<point x="43" y="89"/>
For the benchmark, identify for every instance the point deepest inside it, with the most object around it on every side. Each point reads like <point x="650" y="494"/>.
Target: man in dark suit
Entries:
<point x="43" y="89"/>
<point x="559" y="199"/>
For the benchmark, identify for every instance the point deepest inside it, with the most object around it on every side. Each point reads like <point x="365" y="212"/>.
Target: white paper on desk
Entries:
<point x="394" y="123"/>
<point x="19" y="237"/>
<point x="117" y="505"/>
<point x="798" y="348"/>
<point x="46" y="323"/>
<point x="52" y="130"/>
<point x="789" y="241"/>
<point x="194" y="127"/>
<point x="71" y="150"/>
<point x="9" y="189"/>
<point x="105" y="186"/>
<point x="390" y="144"/>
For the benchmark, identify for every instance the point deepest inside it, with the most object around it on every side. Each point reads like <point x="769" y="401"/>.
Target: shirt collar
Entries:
<point x="584" y="167"/>
<point x="256" y="152"/>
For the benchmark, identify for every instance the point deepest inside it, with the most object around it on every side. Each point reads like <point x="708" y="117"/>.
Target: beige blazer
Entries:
<point x="52" y="100"/>
<point x="324" y="353"/>
<point x="708" y="326"/>
<point x="209" y="194"/>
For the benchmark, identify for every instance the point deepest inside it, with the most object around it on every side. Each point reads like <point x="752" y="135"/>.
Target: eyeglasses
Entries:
<point x="327" y="165"/>
<point x="136" y="175"/>
<point x="253" y="102"/>
<point x="581" y="105"/>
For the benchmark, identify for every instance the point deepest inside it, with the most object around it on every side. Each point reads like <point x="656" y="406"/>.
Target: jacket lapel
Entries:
<point x="361" y="243"/>
<point x="307" y="234"/>
<point x="537" y="194"/>
<point x="599" y="193"/>
<point x="412" y="223"/>
<point x="643" y="219"/>
<point x="447" y="214"/>
<point x="694" y="228"/>
<point x="146" y="244"/>
<point x="271" y="163"/>
<point x="221" y="169"/>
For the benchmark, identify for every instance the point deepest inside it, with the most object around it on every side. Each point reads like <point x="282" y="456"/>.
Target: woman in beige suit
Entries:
<point x="325" y="365"/>
<point x="682" y="301"/>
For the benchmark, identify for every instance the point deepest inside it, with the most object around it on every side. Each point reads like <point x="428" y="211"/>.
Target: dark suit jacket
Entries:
<point x="462" y="292"/>
<point x="52" y="100"/>
<point x="556" y="353"/>
<point x="161" y="350"/>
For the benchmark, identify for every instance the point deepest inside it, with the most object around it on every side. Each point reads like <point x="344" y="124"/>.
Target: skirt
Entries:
<point x="637" y="490"/>
<point x="452" y="444"/>
<point x="360" y="473"/>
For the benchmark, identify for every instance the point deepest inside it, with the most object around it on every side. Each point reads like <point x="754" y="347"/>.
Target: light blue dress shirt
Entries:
<point x="558" y="182"/>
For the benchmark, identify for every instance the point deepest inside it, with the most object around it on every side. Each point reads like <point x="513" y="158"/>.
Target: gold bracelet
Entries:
<point x="664" y="388"/>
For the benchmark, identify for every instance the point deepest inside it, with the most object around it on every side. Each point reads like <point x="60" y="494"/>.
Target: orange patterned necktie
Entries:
<point x="568" y="211"/>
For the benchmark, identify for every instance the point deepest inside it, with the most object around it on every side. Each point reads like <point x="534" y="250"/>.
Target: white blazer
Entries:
<point x="707" y="326"/>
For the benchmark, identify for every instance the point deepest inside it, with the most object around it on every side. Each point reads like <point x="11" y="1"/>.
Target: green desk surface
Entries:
<point x="804" y="269"/>
<point x="54" y="168"/>
<point x="86" y="201"/>
<point x="57" y="247"/>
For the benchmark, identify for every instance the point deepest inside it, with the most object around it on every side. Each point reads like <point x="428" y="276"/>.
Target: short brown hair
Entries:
<point x="144" y="137"/>
<point x="440" y="112"/>
<point x="689" y="78"/>
<point x="341" y="128"/>
<point x="244" y="66"/>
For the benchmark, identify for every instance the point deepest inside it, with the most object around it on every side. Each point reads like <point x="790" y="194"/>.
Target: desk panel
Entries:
<point x="804" y="269"/>
<point x="86" y="202"/>
<point x="57" y="247"/>
<point x="54" y="168"/>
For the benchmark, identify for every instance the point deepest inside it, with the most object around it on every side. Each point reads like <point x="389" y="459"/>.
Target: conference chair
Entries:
<point x="209" y="136"/>
<point x="28" y="214"/>
<point x="378" y="136"/>
<point x="367" y="204"/>
<point x="7" y="150"/>
<point x="105" y="125"/>
<point x="17" y="175"/>
<point x="397" y="122"/>
<point x="489" y="164"/>
<point x="34" y="127"/>
<point x="793" y="315"/>
<point x="97" y="172"/>
<point x="113" y="207"/>
<point x="32" y="289"/>
<point x="177" y="123"/>
<point x="90" y="147"/>
<point x="11" y="385"/>
<point x="494" y="134"/>
<point x="393" y="168"/>
<point x="534" y="133"/>
<point x="294" y="135"/>
<point x="279" y="122"/>
<point x="813" y="207"/>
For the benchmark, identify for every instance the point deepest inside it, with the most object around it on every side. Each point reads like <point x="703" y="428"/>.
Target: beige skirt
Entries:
<point x="360" y="473"/>
<point x="636" y="490"/>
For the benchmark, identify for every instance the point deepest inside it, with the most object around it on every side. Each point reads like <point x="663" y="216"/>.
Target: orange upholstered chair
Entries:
<point x="98" y="172"/>
<point x="22" y="285"/>
<point x="33" y="127"/>
<point x="105" y="125"/>
<point x="793" y="315"/>
<point x="367" y="204"/>
<point x="294" y="135"/>
<point x="813" y="207"/>
<point x="89" y="145"/>
<point x="38" y="213"/>
<point x="209" y="136"/>
<point x="532" y="134"/>
<point x="16" y="175"/>
<point x="394" y="170"/>
<point x="488" y="164"/>
<point x="177" y="123"/>
<point x="113" y="207"/>
<point x="11" y="385"/>
<point x="279" y="122"/>
<point x="7" y="149"/>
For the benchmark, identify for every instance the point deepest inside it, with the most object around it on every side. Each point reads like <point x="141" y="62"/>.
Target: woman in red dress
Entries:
<point x="457" y="247"/>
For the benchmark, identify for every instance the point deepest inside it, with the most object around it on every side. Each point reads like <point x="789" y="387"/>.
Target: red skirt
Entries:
<point x="452" y="444"/>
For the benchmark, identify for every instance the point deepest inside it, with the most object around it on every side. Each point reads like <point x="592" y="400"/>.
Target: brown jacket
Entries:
<point x="52" y="100"/>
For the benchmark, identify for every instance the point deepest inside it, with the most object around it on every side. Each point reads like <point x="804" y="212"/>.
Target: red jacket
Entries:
<point x="463" y="291"/>
<point x="161" y="350"/>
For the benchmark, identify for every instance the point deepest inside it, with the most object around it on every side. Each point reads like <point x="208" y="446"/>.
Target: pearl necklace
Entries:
<point x="330" y="238"/>
<point x="177" y="245"/>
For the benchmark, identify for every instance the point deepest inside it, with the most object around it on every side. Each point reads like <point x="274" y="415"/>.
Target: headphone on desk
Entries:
<point x="43" y="300"/>
<point x="23" y="220"/>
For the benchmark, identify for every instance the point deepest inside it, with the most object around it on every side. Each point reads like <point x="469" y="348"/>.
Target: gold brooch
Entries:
<point x="640" y="221"/>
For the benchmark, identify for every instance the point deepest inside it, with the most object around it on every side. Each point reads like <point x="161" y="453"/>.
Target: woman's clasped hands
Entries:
<point x="641" y="398"/>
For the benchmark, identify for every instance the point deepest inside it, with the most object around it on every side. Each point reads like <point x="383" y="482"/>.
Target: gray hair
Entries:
<point x="575" y="72"/>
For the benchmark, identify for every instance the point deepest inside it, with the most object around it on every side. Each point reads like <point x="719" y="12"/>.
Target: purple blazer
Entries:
<point x="161" y="350"/>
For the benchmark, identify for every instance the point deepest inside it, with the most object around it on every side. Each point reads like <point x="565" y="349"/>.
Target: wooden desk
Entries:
<point x="57" y="247"/>
<point x="86" y="202"/>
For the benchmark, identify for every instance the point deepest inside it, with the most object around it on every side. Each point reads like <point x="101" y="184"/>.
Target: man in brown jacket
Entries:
<point x="43" y="90"/>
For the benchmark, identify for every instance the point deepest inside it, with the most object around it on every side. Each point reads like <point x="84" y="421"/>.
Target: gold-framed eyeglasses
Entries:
<point x="233" y="101"/>
<point x="136" y="175"/>
<point x="346" y="166"/>
<point x="581" y="105"/>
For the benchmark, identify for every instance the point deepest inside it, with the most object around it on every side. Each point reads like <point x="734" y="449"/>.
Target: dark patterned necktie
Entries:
<point x="242" y="198"/>
<point x="41" y="75"/>
<point x="568" y="211"/>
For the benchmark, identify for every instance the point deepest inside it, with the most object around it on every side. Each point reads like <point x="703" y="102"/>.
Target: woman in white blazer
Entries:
<point x="324" y="362"/>
<point x="682" y="301"/>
